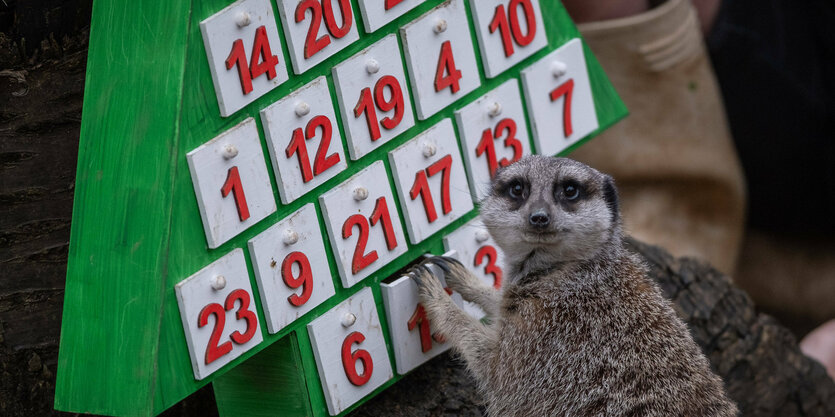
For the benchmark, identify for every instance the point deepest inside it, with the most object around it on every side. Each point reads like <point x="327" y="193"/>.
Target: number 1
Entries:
<point x="233" y="183"/>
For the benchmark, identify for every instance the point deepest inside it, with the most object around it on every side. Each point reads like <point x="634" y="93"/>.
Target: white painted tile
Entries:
<point x="373" y="97"/>
<point x="430" y="180"/>
<point x="559" y="98"/>
<point x="494" y="133"/>
<point x="443" y="29"/>
<point x="210" y="303"/>
<point x="348" y="340"/>
<point x="304" y="140"/>
<point x="231" y="183"/>
<point x="291" y="267"/>
<point x="241" y="23"/>
<point x="508" y="31"/>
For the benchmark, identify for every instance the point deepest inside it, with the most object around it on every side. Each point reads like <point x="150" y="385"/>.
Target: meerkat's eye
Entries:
<point x="571" y="190"/>
<point x="516" y="190"/>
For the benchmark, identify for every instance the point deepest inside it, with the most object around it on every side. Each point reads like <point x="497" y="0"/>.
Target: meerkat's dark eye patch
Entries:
<point x="517" y="190"/>
<point x="569" y="190"/>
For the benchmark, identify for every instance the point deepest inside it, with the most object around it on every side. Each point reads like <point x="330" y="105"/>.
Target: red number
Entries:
<point x="238" y="57"/>
<point x="491" y="267"/>
<point x="566" y="89"/>
<point x="213" y="351"/>
<point x="446" y="65"/>
<point x="508" y="24"/>
<point x="260" y="52"/>
<point x="380" y="215"/>
<point x="297" y="146"/>
<point x="486" y="145"/>
<point x="392" y="3"/>
<point x="360" y="260"/>
<point x="313" y="45"/>
<point x="349" y="360"/>
<point x="233" y="183"/>
<point x="421" y="187"/>
<point x="243" y="313"/>
<point x="369" y="105"/>
<point x="304" y="280"/>
<point x="330" y="20"/>
<point x="419" y="319"/>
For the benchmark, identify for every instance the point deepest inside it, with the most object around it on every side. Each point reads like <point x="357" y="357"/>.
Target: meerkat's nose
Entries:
<point x="539" y="219"/>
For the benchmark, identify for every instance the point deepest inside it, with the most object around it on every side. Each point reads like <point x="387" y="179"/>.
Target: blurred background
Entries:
<point x="728" y="155"/>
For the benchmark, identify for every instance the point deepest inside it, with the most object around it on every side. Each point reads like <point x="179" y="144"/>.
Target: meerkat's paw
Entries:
<point x="458" y="277"/>
<point x="429" y="286"/>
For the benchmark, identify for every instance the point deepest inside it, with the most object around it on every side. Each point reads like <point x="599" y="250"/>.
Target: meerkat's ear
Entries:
<point x="610" y="196"/>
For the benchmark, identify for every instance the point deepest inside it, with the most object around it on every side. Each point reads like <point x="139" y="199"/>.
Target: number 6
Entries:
<point x="349" y="360"/>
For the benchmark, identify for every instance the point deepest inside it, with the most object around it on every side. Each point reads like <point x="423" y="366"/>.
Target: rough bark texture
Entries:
<point x="763" y="369"/>
<point x="40" y="113"/>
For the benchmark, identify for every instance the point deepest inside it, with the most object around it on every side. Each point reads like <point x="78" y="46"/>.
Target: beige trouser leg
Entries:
<point x="680" y="182"/>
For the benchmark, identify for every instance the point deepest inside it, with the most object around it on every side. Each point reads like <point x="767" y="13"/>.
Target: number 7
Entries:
<point x="567" y="90"/>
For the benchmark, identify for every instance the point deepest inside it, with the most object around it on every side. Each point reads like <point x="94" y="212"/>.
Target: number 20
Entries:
<point x="312" y="45"/>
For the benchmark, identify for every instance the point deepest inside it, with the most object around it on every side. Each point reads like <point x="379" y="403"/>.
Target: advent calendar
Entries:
<point x="255" y="178"/>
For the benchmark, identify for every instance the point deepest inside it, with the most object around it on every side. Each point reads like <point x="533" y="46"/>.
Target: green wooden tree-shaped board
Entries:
<point x="252" y="176"/>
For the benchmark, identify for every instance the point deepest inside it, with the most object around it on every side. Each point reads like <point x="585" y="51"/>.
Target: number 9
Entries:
<point x="304" y="280"/>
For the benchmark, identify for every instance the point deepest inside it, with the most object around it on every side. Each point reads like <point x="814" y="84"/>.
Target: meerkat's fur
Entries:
<point x="579" y="329"/>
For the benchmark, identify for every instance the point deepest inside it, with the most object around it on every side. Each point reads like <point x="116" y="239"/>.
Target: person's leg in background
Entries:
<point x="673" y="157"/>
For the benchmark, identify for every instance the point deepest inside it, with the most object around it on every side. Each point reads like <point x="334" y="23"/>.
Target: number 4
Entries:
<point x="446" y="65"/>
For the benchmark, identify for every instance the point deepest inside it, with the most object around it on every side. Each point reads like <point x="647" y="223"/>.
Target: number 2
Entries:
<point x="213" y="350"/>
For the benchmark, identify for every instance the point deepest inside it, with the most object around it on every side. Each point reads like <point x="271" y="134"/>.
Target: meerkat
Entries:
<point x="579" y="328"/>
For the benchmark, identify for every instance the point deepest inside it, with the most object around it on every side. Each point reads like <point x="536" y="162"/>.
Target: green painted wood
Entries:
<point x="269" y="383"/>
<point x="137" y="229"/>
<point x="122" y="209"/>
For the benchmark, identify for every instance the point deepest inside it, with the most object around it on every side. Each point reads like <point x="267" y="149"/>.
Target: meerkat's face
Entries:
<point x="555" y="209"/>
